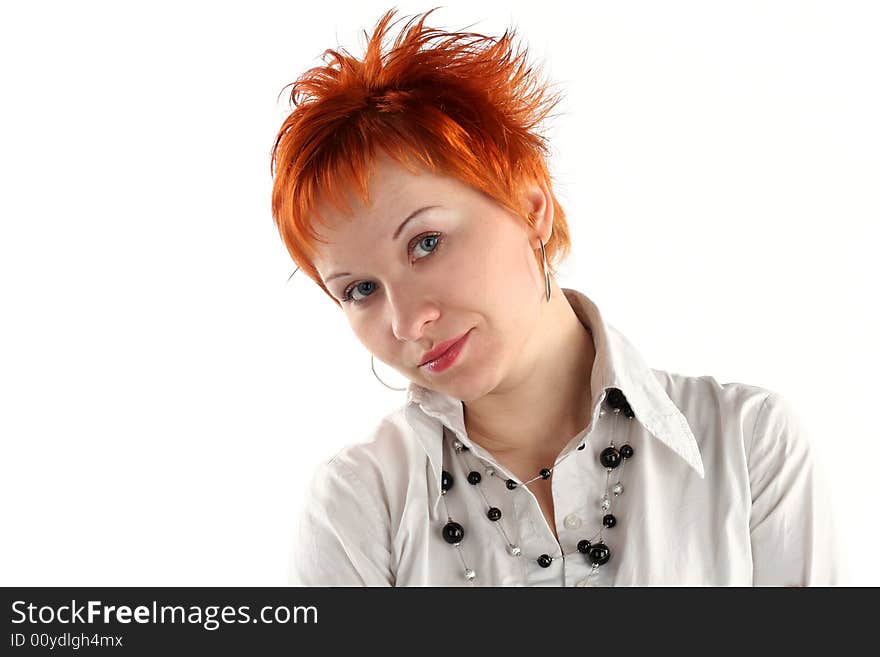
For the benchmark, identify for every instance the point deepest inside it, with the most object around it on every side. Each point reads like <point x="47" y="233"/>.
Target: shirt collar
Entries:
<point x="617" y="365"/>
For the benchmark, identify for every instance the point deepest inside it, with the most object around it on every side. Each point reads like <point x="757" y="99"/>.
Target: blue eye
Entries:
<point x="357" y="287"/>
<point x="429" y="243"/>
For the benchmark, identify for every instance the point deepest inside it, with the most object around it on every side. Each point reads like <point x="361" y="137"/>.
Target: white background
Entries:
<point x="165" y="393"/>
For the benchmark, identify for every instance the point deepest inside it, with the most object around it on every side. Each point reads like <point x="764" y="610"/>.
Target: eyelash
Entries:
<point x="346" y="295"/>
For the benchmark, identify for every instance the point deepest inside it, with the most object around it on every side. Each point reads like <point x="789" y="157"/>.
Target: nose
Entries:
<point x="411" y="312"/>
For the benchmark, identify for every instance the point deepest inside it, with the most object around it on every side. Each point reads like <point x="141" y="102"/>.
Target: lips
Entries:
<point x="440" y="349"/>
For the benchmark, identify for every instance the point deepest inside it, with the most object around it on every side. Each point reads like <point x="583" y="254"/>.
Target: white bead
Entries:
<point x="469" y="574"/>
<point x="606" y="504"/>
<point x="601" y="412"/>
<point x="514" y="550"/>
<point x="618" y="488"/>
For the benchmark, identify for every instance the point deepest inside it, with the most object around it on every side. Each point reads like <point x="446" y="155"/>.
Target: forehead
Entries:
<point x="393" y="192"/>
<point x="388" y="182"/>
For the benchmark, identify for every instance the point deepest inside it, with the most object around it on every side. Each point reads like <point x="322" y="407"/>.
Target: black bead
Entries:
<point x="609" y="520"/>
<point x="545" y="473"/>
<point x="582" y="445"/>
<point x="615" y="398"/>
<point x="609" y="457"/>
<point x="453" y="533"/>
<point x="584" y="546"/>
<point x="493" y="514"/>
<point x="474" y="477"/>
<point x="511" y="484"/>
<point x="544" y="561"/>
<point x="446" y="481"/>
<point x="626" y="451"/>
<point x="600" y="554"/>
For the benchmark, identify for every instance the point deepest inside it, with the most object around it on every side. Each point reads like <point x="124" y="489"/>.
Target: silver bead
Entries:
<point x="469" y="574"/>
<point x="618" y="488"/>
<point x="601" y="412"/>
<point x="514" y="550"/>
<point x="606" y="503"/>
<point x="457" y="445"/>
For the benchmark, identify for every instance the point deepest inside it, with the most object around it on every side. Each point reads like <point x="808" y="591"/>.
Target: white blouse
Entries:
<point x="722" y="489"/>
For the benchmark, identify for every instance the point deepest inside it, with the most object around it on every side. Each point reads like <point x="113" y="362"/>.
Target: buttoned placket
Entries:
<point x="580" y="480"/>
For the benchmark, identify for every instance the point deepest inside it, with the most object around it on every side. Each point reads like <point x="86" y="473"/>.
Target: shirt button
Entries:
<point x="572" y="521"/>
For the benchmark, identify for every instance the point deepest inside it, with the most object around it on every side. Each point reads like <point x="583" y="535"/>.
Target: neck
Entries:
<point x="546" y="400"/>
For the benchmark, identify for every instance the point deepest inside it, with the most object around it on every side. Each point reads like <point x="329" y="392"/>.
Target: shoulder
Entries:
<point x="385" y="450"/>
<point x="344" y="532"/>
<point x="707" y="402"/>
<point x="372" y="471"/>
<point x="703" y="391"/>
<point x="762" y="420"/>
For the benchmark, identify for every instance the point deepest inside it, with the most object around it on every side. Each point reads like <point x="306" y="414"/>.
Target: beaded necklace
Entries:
<point x="595" y="551"/>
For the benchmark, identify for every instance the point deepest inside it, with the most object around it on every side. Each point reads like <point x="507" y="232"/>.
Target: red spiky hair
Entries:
<point x="457" y="103"/>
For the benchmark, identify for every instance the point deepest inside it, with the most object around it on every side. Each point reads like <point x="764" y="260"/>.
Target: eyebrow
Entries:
<point x="397" y="232"/>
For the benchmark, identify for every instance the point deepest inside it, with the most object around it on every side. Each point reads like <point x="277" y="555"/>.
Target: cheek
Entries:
<point x="510" y="280"/>
<point x="501" y="273"/>
<point x="478" y="269"/>
<point x="365" y="331"/>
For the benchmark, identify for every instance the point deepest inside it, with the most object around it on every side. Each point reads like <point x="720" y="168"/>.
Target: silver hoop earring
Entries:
<point x="373" y="367"/>
<point x="546" y="273"/>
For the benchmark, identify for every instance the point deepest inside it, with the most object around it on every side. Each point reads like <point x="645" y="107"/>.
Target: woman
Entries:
<point x="536" y="448"/>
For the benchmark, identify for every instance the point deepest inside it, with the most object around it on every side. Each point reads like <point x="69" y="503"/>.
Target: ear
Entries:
<point x="539" y="206"/>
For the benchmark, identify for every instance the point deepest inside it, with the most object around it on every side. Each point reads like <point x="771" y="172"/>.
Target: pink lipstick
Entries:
<point x="448" y="358"/>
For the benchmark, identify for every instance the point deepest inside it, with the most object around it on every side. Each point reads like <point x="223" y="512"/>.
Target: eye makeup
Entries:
<point x="438" y="237"/>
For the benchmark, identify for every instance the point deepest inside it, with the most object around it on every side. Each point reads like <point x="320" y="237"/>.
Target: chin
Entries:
<point x="467" y="387"/>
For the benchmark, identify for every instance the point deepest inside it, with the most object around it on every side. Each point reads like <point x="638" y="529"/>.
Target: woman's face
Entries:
<point x="464" y="265"/>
